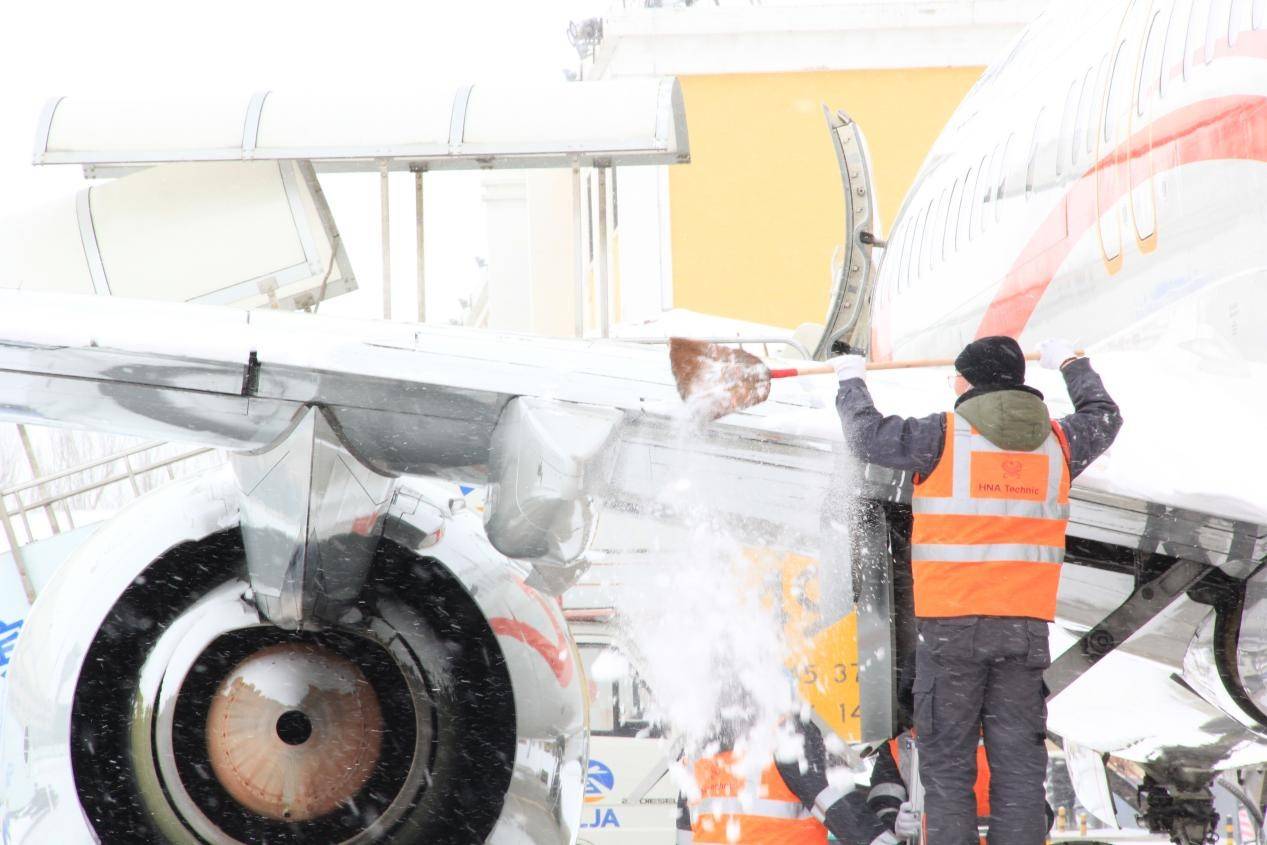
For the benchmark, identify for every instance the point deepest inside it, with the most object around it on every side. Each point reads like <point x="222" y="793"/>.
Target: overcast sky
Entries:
<point x="134" y="47"/>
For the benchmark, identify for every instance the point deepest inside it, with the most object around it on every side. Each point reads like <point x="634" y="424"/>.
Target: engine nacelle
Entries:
<point x="150" y="700"/>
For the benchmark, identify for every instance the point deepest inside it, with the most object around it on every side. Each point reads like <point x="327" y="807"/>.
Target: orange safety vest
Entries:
<point x="722" y="813"/>
<point x="989" y="529"/>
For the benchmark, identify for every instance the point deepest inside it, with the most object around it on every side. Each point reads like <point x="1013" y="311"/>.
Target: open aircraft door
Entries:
<point x="255" y="233"/>
<point x="853" y="271"/>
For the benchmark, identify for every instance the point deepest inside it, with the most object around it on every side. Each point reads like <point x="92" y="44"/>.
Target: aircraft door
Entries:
<point x="1147" y="93"/>
<point x="848" y="311"/>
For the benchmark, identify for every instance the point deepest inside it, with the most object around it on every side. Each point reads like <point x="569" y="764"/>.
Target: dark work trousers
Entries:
<point x="853" y="822"/>
<point x="978" y="676"/>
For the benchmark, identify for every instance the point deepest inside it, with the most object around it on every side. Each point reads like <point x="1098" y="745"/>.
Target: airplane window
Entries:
<point x="1150" y="67"/>
<point x="981" y="195"/>
<point x="937" y="231"/>
<point x="1172" y="59"/>
<point x="1113" y="102"/>
<point x="1238" y="21"/>
<point x="1001" y="178"/>
<point x="1100" y="83"/>
<point x="1067" y="118"/>
<point x="908" y="249"/>
<point x="1196" y="35"/>
<point x="1216" y="26"/>
<point x="926" y="249"/>
<point x="903" y="258"/>
<point x="919" y="247"/>
<point x="1034" y="146"/>
<point x="1085" y="98"/>
<point x="952" y="223"/>
<point x="1260" y="14"/>
<point x="893" y="264"/>
<point x="966" y="205"/>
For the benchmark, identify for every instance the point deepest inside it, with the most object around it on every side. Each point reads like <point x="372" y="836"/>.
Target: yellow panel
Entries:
<point x="824" y="657"/>
<point x="827" y="677"/>
<point x="758" y="211"/>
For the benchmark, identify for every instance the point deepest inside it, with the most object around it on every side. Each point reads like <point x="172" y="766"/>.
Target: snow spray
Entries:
<point x="715" y="631"/>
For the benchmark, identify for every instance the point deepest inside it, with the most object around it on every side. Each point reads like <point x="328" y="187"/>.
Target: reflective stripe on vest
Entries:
<point x="727" y="812"/>
<point x="989" y="528"/>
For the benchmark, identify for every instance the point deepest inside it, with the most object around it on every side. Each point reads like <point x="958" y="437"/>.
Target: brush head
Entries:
<point x="716" y="380"/>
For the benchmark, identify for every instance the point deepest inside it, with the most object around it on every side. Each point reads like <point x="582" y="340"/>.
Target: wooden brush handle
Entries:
<point x="826" y="369"/>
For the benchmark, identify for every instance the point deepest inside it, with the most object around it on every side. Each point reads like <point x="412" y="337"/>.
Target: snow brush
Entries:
<point x="715" y="379"/>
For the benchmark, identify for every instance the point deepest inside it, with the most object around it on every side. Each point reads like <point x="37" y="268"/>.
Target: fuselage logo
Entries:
<point x="599" y="782"/>
<point x="8" y="639"/>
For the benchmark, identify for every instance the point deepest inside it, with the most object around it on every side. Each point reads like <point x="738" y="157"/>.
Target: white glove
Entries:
<point x="1055" y="351"/>
<point x="906" y="826"/>
<point x="848" y="366"/>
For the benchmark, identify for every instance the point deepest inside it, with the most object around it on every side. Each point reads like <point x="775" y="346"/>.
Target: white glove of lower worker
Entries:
<point x="906" y="826"/>
<point x="848" y="366"/>
<point x="1055" y="351"/>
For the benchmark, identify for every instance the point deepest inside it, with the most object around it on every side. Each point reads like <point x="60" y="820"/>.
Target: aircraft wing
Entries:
<point x="407" y="399"/>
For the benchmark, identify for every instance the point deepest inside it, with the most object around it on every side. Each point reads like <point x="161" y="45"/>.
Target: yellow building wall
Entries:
<point x="757" y="213"/>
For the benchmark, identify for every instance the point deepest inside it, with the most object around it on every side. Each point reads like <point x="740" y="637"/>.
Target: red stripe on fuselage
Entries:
<point x="556" y="653"/>
<point x="1227" y="128"/>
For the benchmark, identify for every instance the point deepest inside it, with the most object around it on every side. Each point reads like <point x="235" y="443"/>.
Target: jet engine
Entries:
<point x="153" y="701"/>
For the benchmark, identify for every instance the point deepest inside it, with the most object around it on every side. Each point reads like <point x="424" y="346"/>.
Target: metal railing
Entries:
<point x="122" y="467"/>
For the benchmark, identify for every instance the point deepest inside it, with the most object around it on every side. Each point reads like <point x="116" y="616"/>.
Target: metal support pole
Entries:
<point x="35" y="473"/>
<point x="127" y="465"/>
<point x="421" y="242"/>
<point x="18" y="561"/>
<point x="602" y="281"/>
<point x="578" y="249"/>
<point x="386" y="224"/>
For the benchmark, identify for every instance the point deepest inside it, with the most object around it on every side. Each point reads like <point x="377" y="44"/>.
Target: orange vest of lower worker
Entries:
<point x="989" y="530"/>
<point x="724" y="813"/>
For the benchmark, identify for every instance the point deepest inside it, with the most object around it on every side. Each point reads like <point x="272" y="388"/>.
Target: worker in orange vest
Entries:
<point x="793" y="803"/>
<point x="990" y="506"/>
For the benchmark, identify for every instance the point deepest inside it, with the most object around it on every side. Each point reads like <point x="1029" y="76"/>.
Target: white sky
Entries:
<point x="135" y="47"/>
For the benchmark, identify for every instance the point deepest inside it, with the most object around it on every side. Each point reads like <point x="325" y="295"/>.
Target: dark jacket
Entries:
<point x="915" y="443"/>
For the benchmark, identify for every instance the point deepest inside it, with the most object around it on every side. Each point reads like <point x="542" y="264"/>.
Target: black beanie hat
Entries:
<point x="992" y="362"/>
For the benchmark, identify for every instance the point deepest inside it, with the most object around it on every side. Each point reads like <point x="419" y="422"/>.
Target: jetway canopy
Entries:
<point x="233" y="233"/>
<point x="619" y="122"/>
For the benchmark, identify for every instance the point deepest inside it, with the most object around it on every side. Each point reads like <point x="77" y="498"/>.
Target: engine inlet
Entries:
<point x="294" y="731"/>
